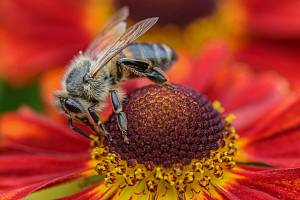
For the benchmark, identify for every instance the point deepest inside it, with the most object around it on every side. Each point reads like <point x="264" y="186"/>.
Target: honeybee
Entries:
<point x="111" y="57"/>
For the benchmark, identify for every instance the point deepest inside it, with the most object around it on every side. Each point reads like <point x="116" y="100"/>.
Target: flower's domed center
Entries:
<point x="177" y="139"/>
<point x="168" y="126"/>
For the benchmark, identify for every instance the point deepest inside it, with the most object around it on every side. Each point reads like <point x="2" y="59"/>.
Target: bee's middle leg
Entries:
<point x="97" y="121"/>
<point x="121" y="116"/>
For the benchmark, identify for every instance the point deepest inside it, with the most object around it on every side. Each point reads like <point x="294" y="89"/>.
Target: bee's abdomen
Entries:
<point x="160" y="55"/>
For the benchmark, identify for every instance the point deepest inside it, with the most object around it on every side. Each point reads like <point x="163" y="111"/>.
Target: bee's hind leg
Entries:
<point x="158" y="76"/>
<point x="136" y="65"/>
<point x="145" y="68"/>
<point x="121" y="116"/>
<point x="97" y="121"/>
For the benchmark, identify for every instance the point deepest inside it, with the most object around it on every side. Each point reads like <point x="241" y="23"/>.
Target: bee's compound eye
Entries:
<point x="72" y="106"/>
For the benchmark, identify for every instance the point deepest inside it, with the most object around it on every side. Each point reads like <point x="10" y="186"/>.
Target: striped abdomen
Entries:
<point x="160" y="55"/>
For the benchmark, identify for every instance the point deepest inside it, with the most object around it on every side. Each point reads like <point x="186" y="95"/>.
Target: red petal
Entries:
<point x="21" y="170"/>
<point x="23" y="192"/>
<point x="238" y="192"/>
<point x="280" y="56"/>
<point x="275" y="139"/>
<point x="283" y="118"/>
<point x="282" y="149"/>
<point x="250" y="103"/>
<point x="246" y="94"/>
<point x="213" y="56"/>
<point x="271" y="184"/>
<point x="28" y="130"/>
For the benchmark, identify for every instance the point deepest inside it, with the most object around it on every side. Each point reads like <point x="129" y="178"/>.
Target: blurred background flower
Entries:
<point x="272" y="37"/>
<point x="38" y="38"/>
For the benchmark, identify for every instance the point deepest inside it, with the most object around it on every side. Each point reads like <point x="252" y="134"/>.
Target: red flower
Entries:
<point x="38" y="153"/>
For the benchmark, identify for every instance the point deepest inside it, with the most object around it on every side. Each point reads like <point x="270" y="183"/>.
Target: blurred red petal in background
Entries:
<point x="37" y="35"/>
<point x="272" y="37"/>
<point x="282" y="56"/>
<point x="273" y="18"/>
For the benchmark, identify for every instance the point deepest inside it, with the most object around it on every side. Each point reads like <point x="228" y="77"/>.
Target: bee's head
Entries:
<point x="68" y="104"/>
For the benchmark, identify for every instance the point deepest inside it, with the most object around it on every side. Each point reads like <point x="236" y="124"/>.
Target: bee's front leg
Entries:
<point x="86" y="121"/>
<point x="97" y="121"/>
<point x="121" y="116"/>
<point x="78" y="130"/>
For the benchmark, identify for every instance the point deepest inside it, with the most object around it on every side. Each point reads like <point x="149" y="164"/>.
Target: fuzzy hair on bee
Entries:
<point x="76" y="84"/>
<point x="111" y="58"/>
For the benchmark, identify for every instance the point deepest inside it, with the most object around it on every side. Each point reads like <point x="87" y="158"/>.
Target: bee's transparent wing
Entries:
<point x="128" y="37"/>
<point x="112" y="30"/>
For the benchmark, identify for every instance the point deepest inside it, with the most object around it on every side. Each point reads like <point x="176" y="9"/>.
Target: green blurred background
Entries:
<point x="12" y="98"/>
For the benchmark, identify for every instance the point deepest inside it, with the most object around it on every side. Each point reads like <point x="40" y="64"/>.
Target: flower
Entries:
<point x="38" y="153"/>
